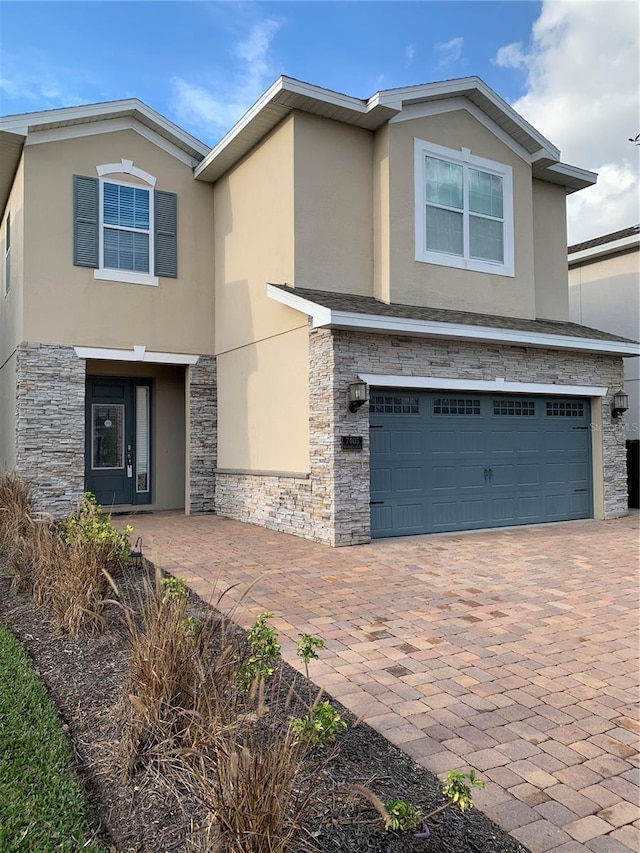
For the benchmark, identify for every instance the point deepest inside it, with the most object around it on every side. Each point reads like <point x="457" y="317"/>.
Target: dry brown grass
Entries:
<point x="61" y="564"/>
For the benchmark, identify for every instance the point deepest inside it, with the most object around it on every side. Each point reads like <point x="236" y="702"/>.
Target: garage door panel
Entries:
<point x="470" y="441"/>
<point x="528" y="474"/>
<point x="409" y="516"/>
<point x="380" y="442"/>
<point x="381" y="480"/>
<point x="470" y="476"/>
<point x="382" y="520"/>
<point x="407" y="442"/>
<point x="442" y="441"/>
<point x="443" y="477"/>
<point x="408" y="480"/>
<point x="463" y="462"/>
<point x="473" y="511"/>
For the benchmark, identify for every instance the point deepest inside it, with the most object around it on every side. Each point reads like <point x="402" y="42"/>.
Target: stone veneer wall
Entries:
<point x="203" y="433"/>
<point x="332" y="506"/>
<point x="277" y="501"/>
<point x="50" y="424"/>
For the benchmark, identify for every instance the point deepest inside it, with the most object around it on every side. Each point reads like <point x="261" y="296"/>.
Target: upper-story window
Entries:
<point x="6" y="268"/>
<point x="127" y="227"/>
<point x="125" y="231"/>
<point x="464" y="210"/>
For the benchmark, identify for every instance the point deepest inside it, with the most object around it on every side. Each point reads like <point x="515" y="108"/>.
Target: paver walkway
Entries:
<point x="513" y="652"/>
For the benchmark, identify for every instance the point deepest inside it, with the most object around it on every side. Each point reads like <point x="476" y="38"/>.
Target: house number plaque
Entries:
<point x="351" y="442"/>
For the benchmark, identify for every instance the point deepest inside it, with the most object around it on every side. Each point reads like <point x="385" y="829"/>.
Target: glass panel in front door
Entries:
<point x="107" y="436"/>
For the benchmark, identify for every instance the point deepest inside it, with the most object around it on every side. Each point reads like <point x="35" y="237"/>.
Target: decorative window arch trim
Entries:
<point x="126" y="167"/>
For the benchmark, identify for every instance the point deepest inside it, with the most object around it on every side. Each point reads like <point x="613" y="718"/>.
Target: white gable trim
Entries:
<point x="498" y="384"/>
<point x="113" y="125"/>
<point x="621" y="245"/>
<point x="137" y="353"/>
<point x="415" y="111"/>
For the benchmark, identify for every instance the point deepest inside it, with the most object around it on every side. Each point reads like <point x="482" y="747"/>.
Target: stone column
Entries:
<point x="203" y="433"/>
<point x="50" y="424"/>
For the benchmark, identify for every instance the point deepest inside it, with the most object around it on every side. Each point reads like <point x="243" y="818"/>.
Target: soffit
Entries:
<point x="288" y="94"/>
<point x="11" y="145"/>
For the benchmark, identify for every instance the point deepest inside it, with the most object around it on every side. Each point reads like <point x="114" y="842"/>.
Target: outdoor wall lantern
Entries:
<point x="620" y="403"/>
<point x="357" y="395"/>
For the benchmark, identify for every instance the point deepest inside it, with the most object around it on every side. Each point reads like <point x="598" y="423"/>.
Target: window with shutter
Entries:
<point x="125" y="231"/>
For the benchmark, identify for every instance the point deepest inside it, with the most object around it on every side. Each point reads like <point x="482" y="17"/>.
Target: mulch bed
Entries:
<point x="85" y="679"/>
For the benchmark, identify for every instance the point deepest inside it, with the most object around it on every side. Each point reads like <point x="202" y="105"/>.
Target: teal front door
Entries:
<point x="444" y="461"/>
<point x="118" y="441"/>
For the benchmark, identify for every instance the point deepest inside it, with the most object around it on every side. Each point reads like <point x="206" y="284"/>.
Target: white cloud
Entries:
<point x="409" y="53"/>
<point x="31" y="79"/>
<point x="203" y="109"/>
<point x="448" y="52"/>
<point x="582" y="93"/>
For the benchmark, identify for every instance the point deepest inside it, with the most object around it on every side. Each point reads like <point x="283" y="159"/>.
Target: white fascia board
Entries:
<point x="378" y="380"/>
<point x="605" y="249"/>
<point x="322" y="317"/>
<point x="574" y="173"/>
<point x="137" y="353"/>
<point x="82" y="114"/>
<point x="113" y="125"/>
<point x="459" y="331"/>
<point x="460" y="86"/>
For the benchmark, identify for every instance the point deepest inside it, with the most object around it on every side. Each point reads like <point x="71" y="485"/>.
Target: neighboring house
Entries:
<point x="180" y="326"/>
<point x="604" y="291"/>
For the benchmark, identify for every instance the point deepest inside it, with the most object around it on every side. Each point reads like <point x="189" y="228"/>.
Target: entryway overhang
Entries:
<point x="137" y="354"/>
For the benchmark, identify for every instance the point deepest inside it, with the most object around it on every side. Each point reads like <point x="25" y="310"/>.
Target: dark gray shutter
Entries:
<point x="166" y="233"/>
<point x="86" y="216"/>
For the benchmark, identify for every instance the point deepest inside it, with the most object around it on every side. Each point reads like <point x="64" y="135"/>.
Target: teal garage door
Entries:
<point x="444" y="461"/>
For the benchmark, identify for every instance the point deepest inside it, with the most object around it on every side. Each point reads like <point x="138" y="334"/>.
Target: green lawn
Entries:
<point x="42" y="808"/>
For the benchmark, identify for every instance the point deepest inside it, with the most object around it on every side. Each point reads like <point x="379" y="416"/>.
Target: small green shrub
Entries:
<point x="402" y="815"/>
<point x="264" y="652"/>
<point x="320" y="726"/>
<point x="307" y="645"/>
<point x="90" y="527"/>
<point x="175" y="589"/>
<point x="457" y="788"/>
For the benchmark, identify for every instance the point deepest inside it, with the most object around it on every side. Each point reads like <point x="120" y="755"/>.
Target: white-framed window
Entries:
<point x="464" y="210"/>
<point x="125" y="232"/>
<point x="6" y="267"/>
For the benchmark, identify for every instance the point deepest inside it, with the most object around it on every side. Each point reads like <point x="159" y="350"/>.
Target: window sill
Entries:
<point x="126" y="277"/>
<point x="472" y="264"/>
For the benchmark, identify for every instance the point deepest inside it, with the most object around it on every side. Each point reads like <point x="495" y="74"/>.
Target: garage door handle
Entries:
<point x="372" y="503"/>
<point x="580" y="490"/>
<point x="376" y="426"/>
<point x="579" y="427"/>
<point x="488" y="474"/>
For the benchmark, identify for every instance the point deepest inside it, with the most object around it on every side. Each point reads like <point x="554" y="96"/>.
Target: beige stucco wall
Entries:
<point x="253" y="240"/>
<point x="333" y="211"/>
<point x="8" y="415"/>
<point x="263" y="405"/>
<point x="262" y="357"/>
<point x="11" y="305"/>
<point x="64" y="303"/>
<point x="417" y="283"/>
<point x="605" y="294"/>
<point x="167" y="426"/>
<point x="550" y="251"/>
<point x="381" y="218"/>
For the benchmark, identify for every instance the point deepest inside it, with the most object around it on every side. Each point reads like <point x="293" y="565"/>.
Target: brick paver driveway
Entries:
<point x="513" y="652"/>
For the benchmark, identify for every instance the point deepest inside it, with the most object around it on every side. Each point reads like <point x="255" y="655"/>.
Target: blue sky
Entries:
<point x="202" y="64"/>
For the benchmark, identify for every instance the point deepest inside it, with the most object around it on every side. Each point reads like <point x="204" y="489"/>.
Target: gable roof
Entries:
<point x="288" y="94"/>
<point x="367" y="314"/>
<point x="15" y="129"/>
